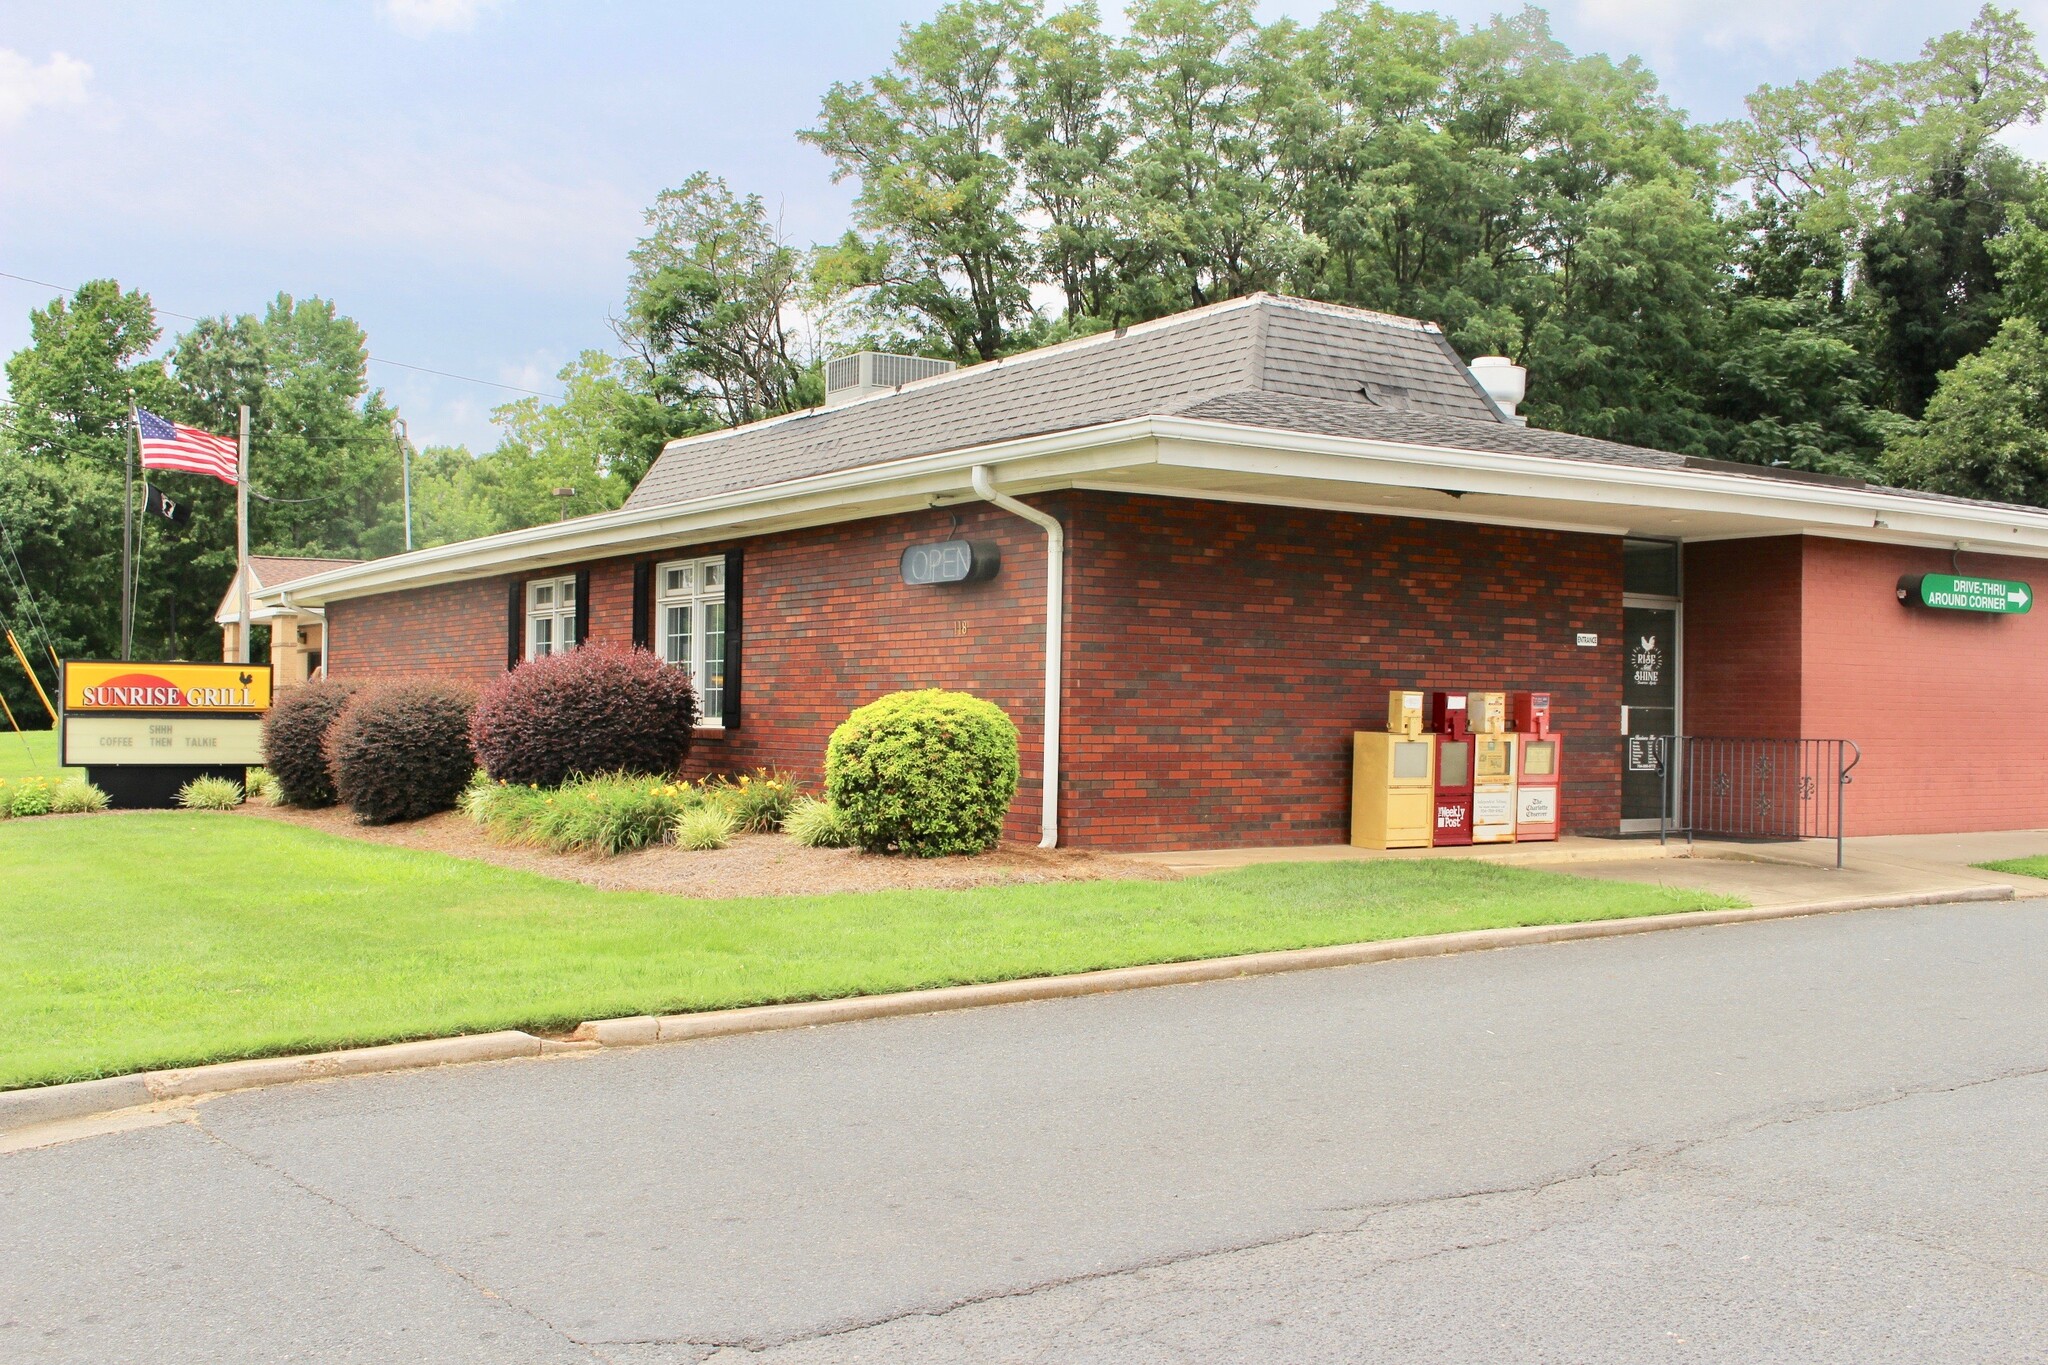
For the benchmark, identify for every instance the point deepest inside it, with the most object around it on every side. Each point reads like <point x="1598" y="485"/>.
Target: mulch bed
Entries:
<point x="754" y="865"/>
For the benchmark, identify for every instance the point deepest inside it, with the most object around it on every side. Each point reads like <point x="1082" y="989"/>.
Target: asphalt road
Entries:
<point x="1813" y="1140"/>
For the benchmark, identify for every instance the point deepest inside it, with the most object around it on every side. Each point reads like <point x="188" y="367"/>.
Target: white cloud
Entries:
<point x="24" y="86"/>
<point x="418" y="18"/>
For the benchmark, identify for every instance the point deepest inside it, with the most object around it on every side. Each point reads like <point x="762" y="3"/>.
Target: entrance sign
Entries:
<point x="1952" y="592"/>
<point x="184" y="689"/>
<point x="142" y="730"/>
<point x="167" y="740"/>
<point x="951" y="561"/>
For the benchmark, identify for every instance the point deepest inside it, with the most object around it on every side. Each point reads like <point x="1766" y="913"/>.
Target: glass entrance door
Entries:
<point x="1649" y="706"/>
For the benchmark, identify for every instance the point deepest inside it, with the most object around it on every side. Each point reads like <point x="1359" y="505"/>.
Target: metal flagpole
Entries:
<point x="128" y="538"/>
<point x="242" y="541"/>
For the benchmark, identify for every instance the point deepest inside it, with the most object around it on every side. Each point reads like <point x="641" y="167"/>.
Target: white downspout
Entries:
<point x="1055" y="607"/>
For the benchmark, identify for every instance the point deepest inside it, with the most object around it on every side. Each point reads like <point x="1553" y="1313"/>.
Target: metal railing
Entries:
<point x="1755" y="788"/>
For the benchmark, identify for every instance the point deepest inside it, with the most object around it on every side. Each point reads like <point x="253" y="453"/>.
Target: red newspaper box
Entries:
<point x="1453" y="769"/>
<point x="1539" y="759"/>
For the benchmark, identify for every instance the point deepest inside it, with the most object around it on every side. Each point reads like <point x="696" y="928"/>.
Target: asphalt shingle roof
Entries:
<point x="1258" y="345"/>
<point x="1260" y="361"/>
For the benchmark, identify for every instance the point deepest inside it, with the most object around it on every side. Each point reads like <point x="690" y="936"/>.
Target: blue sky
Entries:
<point x="464" y="177"/>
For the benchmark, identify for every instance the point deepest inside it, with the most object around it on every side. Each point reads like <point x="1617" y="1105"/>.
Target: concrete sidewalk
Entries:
<point x="1764" y="874"/>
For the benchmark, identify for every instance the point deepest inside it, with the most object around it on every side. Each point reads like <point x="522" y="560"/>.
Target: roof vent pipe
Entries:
<point x="1505" y="382"/>
<point x="1055" y="602"/>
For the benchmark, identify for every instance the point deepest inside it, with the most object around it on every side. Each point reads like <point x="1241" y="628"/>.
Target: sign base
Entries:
<point x="139" y="787"/>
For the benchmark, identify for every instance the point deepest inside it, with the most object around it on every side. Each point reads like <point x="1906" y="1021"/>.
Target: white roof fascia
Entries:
<point x="1062" y="458"/>
<point x="1820" y="508"/>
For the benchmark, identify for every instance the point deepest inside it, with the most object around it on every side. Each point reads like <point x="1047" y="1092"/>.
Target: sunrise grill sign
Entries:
<point x="164" y="714"/>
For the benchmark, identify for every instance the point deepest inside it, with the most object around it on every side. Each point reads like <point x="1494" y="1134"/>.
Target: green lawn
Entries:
<point x="159" y="939"/>
<point x="29" y="753"/>
<point x="2036" y="866"/>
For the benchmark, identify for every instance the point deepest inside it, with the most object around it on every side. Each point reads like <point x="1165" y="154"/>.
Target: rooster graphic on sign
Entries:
<point x="1648" y="661"/>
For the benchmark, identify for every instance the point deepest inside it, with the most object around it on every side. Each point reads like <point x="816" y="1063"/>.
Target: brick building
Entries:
<point x="1257" y="518"/>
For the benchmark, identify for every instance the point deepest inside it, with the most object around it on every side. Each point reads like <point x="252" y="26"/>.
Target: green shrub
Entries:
<point x="818" y="824"/>
<point x="295" y="741"/>
<point x="704" y="827"/>
<point x="76" y="796"/>
<point x="926" y="773"/>
<point x="400" y="750"/>
<point x="210" y="793"/>
<point x="759" y="801"/>
<point x="610" y="814"/>
<point x="259" y="782"/>
<point x="30" y="796"/>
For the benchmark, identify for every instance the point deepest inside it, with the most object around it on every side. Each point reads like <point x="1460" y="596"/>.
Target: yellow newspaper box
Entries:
<point x="1393" y="779"/>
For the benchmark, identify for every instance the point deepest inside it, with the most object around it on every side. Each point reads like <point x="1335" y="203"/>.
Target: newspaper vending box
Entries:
<point x="1393" y="778"/>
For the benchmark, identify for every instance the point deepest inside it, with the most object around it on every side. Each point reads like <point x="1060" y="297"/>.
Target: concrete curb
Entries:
<point x="81" y="1099"/>
<point x="21" y="1109"/>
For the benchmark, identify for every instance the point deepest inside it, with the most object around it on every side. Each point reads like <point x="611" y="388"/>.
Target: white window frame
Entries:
<point x="551" y="602"/>
<point x="693" y="586"/>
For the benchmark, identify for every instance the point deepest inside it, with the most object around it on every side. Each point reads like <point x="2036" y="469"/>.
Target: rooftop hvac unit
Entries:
<point x="870" y="372"/>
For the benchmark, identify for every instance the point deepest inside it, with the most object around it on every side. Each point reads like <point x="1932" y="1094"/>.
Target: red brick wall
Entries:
<point x="828" y="625"/>
<point x="1742" y="620"/>
<point x="452" y="630"/>
<point x="1220" y="656"/>
<point x="1942" y="702"/>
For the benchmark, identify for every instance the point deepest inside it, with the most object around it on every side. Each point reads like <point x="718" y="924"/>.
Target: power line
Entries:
<point x="379" y="360"/>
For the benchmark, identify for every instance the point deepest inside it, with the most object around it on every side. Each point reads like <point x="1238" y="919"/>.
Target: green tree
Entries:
<point x="1985" y="434"/>
<point x="1930" y="290"/>
<point x="711" y="303"/>
<point x="1202" y="187"/>
<point x="1065" y="133"/>
<point x="65" y="439"/>
<point x="925" y="141"/>
<point x="597" y="440"/>
<point x="323" y="454"/>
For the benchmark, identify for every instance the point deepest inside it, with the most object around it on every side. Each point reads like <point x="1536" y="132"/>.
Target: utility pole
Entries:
<point x="405" y="455"/>
<point x="242" y="540"/>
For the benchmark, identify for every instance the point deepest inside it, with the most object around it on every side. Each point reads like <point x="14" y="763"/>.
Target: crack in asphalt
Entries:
<point x="469" y="1281"/>
<point x="1630" y="1160"/>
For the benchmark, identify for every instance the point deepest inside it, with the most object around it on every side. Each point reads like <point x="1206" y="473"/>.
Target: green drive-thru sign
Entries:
<point x="1952" y="592"/>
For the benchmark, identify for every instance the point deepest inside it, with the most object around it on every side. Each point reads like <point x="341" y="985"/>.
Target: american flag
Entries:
<point x="173" y="445"/>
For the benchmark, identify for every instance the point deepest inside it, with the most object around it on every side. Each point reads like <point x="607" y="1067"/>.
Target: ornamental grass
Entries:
<point x="611" y="814"/>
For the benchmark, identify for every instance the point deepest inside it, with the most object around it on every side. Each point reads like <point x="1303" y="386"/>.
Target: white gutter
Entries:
<point x="1055" y="608"/>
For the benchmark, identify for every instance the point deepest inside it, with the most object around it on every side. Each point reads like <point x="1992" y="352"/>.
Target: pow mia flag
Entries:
<point x="155" y="500"/>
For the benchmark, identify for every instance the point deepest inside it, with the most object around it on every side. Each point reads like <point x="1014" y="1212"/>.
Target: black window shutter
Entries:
<point x="582" y="606"/>
<point x="515" y="625"/>
<point x="734" y="634"/>
<point x="643" y="606"/>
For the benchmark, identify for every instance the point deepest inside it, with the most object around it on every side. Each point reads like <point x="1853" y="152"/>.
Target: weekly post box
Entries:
<point x="1493" y="768"/>
<point x="1538" y="760"/>
<point x="1393" y="778"/>
<point x="1453" y="769"/>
